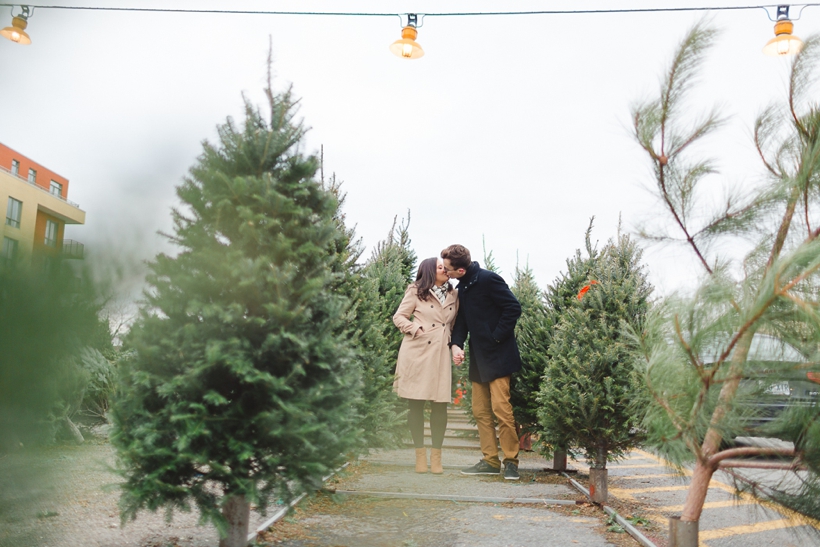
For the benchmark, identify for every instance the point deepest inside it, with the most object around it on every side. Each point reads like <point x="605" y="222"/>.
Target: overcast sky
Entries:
<point x="510" y="128"/>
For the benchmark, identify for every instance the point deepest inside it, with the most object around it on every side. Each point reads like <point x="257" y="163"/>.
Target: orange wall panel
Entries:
<point x="40" y="234"/>
<point x="44" y="175"/>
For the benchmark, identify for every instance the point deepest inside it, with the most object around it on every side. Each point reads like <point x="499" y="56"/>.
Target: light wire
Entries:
<point x="440" y="14"/>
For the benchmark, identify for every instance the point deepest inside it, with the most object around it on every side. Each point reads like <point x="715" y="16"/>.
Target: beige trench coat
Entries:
<point x="423" y="370"/>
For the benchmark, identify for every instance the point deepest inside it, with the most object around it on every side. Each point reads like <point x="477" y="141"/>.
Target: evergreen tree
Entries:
<point x="345" y="249"/>
<point x="538" y="331"/>
<point x="372" y="289"/>
<point x="533" y="332"/>
<point x="241" y="387"/>
<point x="563" y="292"/>
<point x="698" y="348"/>
<point x="588" y="386"/>
<point x="489" y="259"/>
<point x="46" y="319"/>
<point x="379" y="291"/>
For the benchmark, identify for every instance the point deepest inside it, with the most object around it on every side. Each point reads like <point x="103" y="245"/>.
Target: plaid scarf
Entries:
<point x="441" y="292"/>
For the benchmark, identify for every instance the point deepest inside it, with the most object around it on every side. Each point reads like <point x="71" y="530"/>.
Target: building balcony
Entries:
<point x="73" y="249"/>
<point x="34" y="195"/>
<point x="46" y="190"/>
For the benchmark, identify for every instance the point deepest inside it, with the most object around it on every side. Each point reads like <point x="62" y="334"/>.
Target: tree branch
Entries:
<point x="760" y="153"/>
<point x="681" y="225"/>
<point x="718" y="457"/>
<point x="798" y="279"/>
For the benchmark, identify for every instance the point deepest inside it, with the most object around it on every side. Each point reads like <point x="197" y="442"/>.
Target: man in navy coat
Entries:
<point x="487" y="311"/>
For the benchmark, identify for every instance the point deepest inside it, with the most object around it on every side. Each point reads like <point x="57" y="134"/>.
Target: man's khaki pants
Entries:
<point x="494" y="398"/>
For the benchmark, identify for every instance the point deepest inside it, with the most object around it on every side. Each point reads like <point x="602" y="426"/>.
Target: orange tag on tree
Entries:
<point x="585" y="289"/>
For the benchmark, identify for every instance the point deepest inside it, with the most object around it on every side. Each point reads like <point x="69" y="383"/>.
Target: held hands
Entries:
<point x="458" y="355"/>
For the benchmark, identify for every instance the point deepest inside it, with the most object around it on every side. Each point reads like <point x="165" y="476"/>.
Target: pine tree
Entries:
<point x="697" y="347"/>
<point x="241" y="387"/>
<point x="563" y="292"/>
<point x="588" y="387"/>
<point x="46" y="319"/>
<point x="379" y="291"/>
<point x="347" y="248"/>
<point x="489" y="259"/>
<point x="373" y="289"/>
<point x="533" y="332"/>
<point x="538" y="332"/>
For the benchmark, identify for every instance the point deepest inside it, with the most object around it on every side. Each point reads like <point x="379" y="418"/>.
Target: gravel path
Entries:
<point x="66" y="496"/>
<point x="367" y="521"/>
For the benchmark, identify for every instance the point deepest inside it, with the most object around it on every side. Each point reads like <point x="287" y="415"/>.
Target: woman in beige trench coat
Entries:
<point x="426" y="316"/>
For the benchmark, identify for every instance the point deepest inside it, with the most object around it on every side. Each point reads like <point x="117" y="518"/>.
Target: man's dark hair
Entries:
<point x="458" y="255"/>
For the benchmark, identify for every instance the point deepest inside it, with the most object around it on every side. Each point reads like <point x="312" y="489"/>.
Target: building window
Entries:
<point x="56" y="188"/>
<point x="13" y="213"/>
<point x="51" y="233"/>
<point x="32" y="175"/>
<point x="15" y="167"/>
<point x="9" y="251"/>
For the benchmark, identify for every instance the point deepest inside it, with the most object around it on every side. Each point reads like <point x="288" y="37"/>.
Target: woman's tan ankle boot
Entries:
<point x="435" y="461"/>
<point x="421" y="460"/>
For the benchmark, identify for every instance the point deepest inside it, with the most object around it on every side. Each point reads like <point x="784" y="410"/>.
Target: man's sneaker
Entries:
<point x="511" y="472"/>
<point x="481" y="468"/>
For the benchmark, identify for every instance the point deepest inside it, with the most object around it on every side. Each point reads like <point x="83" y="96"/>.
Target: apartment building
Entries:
<point x="37" y="210"/>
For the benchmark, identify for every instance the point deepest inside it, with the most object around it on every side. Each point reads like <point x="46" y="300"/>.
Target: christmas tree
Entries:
<point x="46" y="319"/>
<point x="241" y="387"/>
<point x="537" y="326"/>
<point x="588" y="388"/>
<point x="379" y="291"/>
<point x="533" y="332"/>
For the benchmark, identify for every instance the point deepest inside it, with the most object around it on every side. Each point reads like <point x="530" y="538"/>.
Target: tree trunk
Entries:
<point x="598" y="478"/>
<point x="696" y="495"/>
<point x="559" y="460"/>
<point x="72" y="431"/>
<point x="702" y="475"/>
<point x="598" y="492"/>
<point x="237" y="512"/>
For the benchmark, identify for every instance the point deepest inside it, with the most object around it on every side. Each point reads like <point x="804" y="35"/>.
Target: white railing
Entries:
<point x="46" y="190"/>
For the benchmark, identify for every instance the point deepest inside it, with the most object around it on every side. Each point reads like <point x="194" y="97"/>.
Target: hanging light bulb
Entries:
<point x="783" y="43"/>
<point x="17" y="31"/>
<point x="407" y="47"/>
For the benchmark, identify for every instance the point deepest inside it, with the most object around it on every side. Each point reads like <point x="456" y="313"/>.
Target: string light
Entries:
<point x="783" y="26"/>
<point x="393" y="14"/>
<point x="783" y="43"/>
<point x="407" y="47"/>
<point x="17" y="31"/>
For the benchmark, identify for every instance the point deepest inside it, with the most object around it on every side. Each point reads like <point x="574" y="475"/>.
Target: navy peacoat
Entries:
<point x="487" y="311"/>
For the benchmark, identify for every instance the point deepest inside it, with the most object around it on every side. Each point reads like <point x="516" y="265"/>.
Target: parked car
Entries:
<point x="777" y="378"/>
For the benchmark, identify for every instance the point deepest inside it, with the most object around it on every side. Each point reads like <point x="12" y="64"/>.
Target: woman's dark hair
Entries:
<point x="426" y="278"/>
